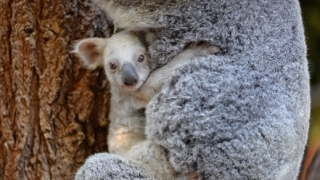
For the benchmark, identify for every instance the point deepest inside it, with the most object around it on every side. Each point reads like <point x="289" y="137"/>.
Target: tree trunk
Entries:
<point x="314" y="169"/>
<point x="53" y="113"/>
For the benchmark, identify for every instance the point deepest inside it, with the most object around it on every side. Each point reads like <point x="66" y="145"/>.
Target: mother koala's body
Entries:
<point x="242" y="114"/>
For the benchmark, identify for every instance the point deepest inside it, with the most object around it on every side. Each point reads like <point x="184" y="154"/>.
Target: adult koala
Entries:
<point x="242" y="114"/>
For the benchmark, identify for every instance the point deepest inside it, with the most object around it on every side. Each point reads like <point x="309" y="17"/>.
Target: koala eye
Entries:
<point x="113" y="65"/>
<point x="141" y="58"/>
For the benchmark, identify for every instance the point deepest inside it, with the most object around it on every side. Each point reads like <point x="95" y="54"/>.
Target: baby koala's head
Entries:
<point x="123" y="56"/>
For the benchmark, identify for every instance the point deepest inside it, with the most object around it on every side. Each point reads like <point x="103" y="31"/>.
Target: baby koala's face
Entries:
<point x="125" y="62"/>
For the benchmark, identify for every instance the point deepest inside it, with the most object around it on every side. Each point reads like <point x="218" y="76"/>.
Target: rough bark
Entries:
<point x="53" y="113"/>
<point x="314" y="169"/>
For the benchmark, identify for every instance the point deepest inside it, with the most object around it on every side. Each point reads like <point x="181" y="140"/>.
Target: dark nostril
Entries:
<point x="130" y="81"/>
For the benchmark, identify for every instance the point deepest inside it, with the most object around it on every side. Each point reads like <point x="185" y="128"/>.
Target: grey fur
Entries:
<point x="243" y="114"/>
<point x="125" y="62"/>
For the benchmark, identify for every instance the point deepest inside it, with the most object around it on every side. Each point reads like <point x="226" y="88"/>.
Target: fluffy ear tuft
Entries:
<point x="90" y="51"/>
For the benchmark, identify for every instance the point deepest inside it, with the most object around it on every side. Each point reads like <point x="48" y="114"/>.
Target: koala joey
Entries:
<point x="124" y="58"/>
<point x="125" y="61"/>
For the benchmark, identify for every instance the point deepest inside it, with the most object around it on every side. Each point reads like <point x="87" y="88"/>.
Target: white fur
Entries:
<point x="127" y="119"/>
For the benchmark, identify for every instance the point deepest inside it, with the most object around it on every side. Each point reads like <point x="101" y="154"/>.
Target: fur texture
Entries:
<point x="125" y="61"/>
<point x="243" y="114"/>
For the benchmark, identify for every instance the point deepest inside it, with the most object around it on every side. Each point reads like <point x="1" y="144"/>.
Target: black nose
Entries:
<point x="129" y="75"/>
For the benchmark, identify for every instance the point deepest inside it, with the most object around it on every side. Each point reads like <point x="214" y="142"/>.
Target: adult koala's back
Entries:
<point x="242" y="114"/>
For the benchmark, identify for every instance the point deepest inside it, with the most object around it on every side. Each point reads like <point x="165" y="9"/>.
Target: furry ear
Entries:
<point x="90" y="51"/>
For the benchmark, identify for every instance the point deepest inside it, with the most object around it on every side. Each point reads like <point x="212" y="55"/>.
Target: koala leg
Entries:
<point x="105" y="166"/>
<point x="145" y="161"/>
<point x="155" y="157"/>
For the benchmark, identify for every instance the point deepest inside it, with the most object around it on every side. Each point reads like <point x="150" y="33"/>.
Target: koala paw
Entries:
<point x="204" y="48"/>
<point x="189" y="176"/>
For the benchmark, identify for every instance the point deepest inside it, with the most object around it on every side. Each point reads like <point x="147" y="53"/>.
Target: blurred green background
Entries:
<point x="311" y="17"/>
